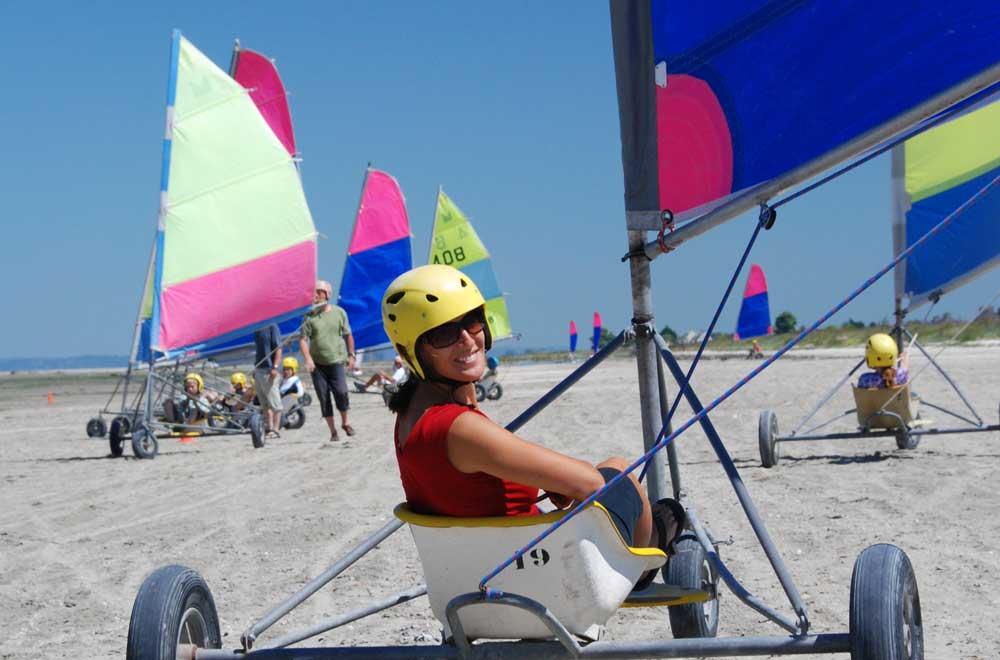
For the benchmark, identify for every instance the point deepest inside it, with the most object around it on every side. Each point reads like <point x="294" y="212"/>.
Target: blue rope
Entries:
<point x="708" y="335"/>
<point x="732" y="390"/>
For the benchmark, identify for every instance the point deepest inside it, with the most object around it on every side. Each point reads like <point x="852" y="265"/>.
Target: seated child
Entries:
<point x="291" y="387"/>
<point x="881" y="355"/>
<point x="240" y="393"/>
<point x="193" y="405"/>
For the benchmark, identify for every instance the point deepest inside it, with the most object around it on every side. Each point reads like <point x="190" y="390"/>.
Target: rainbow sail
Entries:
<point x="755" y="313"/>
<point x="596" y="343"/>
<point x="723" y="105"/>
<point x="572" y="336"/>
<point x="456" y="243"/>
<point x="933" y="174"/>
<point x="235" y="244"/>
<point x="380" y="251"/>
<point x="259" y="75"/>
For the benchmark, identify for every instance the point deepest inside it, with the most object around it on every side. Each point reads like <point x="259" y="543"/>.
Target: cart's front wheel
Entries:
<point x="144" y="443"/>
<point x="116" y="436"/>
<point x="690" y="568"/>
<point x="767" y="434"/>
<point x="906" y="440"/>
<point x="885" y="607"/>
<point x="173" y="614"/>
<point x="496" y="391"/>
<point x="480" y="392"/>
<point x="257" y="430"/>
<point x="96" y="428"/>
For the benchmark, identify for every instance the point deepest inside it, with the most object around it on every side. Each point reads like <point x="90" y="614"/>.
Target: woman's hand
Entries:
<point x="559" y="501"/>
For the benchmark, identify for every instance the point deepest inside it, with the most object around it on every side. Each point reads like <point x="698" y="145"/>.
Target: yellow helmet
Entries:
<point x="881" y="351"/>
<point x="424" y="298"/>
<point x="290" y="363"/>
<point x="196" y="378"/>
<point x="238" y="378"/>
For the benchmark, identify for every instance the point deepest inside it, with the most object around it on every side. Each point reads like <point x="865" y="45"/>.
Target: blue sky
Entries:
<point x="510" y="106"/>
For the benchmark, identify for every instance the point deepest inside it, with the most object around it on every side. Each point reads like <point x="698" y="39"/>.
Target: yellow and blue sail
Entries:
<point x="456" y="243"/>
<point x="725" y="104"/>
<point x="933" y="174"/>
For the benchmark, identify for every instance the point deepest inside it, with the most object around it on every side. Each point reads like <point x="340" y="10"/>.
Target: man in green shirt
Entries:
<point x="326" y="344"/>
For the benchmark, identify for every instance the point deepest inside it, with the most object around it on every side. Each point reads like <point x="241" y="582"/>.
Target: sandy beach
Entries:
<point x="80" y="530"/>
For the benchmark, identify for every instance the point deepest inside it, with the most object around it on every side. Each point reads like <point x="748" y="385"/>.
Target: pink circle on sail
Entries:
<point x="694" y="143"/>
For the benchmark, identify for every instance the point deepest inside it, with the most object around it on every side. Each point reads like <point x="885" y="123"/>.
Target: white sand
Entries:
<point x="79" y="531"/>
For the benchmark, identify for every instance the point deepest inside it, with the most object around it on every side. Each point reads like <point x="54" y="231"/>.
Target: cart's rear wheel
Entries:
<point x="144" y="443"/>
<point x="495" y="392"/>
<point x="904" y="440"/>
<point x="294" y="418"/>
<point x="885" y="606"/>
<point x="480" y="392"/>
<point x="767" y="433"/>
<point x="306" y="399"/>
<point x="257" y="430"/>
<point x="690" y="568"/>
<point x="96" y="428"/>
<point x="173" y="614"/>
<point x="116" y="436"/>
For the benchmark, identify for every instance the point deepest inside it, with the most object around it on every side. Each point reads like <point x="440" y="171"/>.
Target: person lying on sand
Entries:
<point x="455" y="461"/>
<point x="382" y="379"/>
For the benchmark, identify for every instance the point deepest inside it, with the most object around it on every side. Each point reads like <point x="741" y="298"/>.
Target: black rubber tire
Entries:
<point x="690" y="568"/>
<point x="306" y="399"/>
<point x="257" y="430"/>
<point x="116" y="436"/>
<point x="294" y="418"/>
<point x="767" y="432"/>
<point x="885" y="607"/>
<point x="96" y="428"/>
<point x="144" y="443"/>
<point x="480" y="392"/>
<point x="495" y="392"/>
<point x="174" y="605"/>
<point x="906" y="441"/>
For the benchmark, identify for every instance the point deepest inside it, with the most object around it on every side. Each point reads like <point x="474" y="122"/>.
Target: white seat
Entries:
<point x="871" y="401"/>
<point x="582" y="572"/>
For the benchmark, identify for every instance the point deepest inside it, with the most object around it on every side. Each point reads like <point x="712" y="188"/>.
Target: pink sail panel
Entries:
<point x="259" y="75"/>
<point x="225" y="301"/>
<point x="382" y="215"/>
<point x="755" y="282"/>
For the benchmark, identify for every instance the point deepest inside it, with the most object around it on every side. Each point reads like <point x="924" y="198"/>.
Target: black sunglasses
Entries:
<point x="447" y="334"/>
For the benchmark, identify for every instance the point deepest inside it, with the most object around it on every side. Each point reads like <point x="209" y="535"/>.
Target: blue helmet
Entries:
<point x="492" y="362"/>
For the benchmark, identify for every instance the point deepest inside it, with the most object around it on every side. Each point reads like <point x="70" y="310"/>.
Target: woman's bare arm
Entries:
<point x="476" y="444"/>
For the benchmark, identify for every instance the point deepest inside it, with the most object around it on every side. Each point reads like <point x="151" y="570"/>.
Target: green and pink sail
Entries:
<point x="235" y="245"/>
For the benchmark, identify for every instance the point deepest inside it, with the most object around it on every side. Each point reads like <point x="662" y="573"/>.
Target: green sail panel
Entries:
<point x="234" y="192"/>
<point x="456" y="243"/>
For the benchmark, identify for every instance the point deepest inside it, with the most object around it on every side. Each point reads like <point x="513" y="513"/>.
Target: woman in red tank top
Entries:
<point x="454" y="460"/>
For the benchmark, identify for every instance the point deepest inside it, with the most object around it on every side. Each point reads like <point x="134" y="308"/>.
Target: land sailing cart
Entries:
<point x="934" y="174"/>
<point x="234" y="248"/>
<point x="508" y="585"/>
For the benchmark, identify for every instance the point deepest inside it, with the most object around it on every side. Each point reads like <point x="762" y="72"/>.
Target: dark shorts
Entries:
<point x="623" y="503"/>
<point x="331" y="379"/>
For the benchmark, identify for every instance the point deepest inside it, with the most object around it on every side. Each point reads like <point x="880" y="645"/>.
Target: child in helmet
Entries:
<point x="240" y="392"/>
<point x="193" y="405"/>
<point x="891" y="369"/>
<point x="455" y="461"/>
<point x="291" y="384"/>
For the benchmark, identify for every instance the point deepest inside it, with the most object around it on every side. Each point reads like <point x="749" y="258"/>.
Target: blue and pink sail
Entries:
<point x="380" y="250"/>
<point x="596" y="342"/>
<point x="755" y="313"/>
<point x="572" y="336"/>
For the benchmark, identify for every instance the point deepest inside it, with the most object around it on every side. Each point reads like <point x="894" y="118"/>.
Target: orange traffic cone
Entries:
<point x="52" y="398"/>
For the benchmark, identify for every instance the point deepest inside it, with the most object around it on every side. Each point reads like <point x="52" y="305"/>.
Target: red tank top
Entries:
<point x="433" y="486"/>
